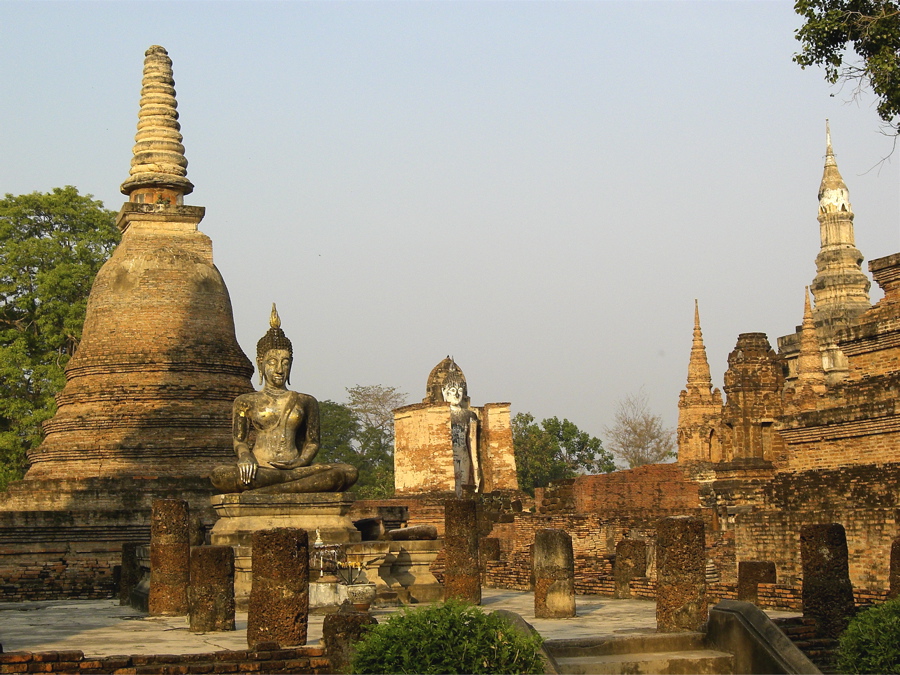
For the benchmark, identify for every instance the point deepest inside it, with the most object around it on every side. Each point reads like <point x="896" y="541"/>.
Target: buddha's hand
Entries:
<point x="247" y="468"/>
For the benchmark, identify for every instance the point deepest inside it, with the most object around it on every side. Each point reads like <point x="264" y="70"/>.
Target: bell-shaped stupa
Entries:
<point x="150" y="387"/>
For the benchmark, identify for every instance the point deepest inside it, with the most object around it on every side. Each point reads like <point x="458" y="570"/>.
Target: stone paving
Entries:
<point x="104" y="628"/>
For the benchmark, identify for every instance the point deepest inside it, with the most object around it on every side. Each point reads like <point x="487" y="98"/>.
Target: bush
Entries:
<point x="452" y="637"/>
<point x="871" y="643"/>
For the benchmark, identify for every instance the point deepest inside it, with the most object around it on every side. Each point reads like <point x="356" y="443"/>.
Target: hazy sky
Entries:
<point x="540" y="189"/>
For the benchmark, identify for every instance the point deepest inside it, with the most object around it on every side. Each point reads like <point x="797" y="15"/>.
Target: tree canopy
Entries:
<point x="51" y="247"/>
<point x="554" y="449"/>
<point x="835" y="30"/>
<point x="361" y="433"/>
<point x="638" y="436"/>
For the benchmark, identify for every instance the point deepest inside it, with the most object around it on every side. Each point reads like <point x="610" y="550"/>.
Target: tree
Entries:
<point x="554" y="449"/>
<point x="637" y="436"/>
<point x="51" y="247"/>
<point x="361" y="433"/>
<point x="868" y="28"/>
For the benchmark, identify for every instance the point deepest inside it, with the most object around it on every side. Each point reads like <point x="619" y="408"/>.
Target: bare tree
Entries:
<point x="638" y="436"/>
<point x="374" y="406"/>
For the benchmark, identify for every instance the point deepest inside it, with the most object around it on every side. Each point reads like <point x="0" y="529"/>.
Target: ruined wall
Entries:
<point x="498" y="459"/>
<point x="423" y="449"/>
<point x="864" y="499"/>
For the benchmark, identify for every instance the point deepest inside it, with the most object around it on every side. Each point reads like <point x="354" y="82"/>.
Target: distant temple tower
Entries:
<point x="699" y="407"/>
<point x="150" y="387"/>
<point x="146" y="409"/>
<point x="840" y="288"/>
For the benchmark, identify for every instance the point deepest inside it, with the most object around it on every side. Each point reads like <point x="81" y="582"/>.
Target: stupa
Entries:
<point x="146" y="409"/>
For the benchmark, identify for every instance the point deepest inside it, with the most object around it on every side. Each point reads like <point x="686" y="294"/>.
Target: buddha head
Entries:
<point x="274" y="354"/>
<point x="453" y="389"/>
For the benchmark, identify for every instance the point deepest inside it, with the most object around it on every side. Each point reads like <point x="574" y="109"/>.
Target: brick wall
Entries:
<point x="295" y="660"/>
<point x="660" y="487"/>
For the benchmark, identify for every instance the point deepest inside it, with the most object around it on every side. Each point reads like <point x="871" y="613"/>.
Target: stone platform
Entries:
<point x="242" y="514"/>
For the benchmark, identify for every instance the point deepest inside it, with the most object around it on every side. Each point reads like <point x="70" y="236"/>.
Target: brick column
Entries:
<point x="631" y="562"/>
<point x="554" y="575"/>
<point x="130" y="574"/>
<point x="462" y="576"/>
<point x="827" y="591"/>
<point x="279" y="594"/>
<point x="212" y="589"/>
<point x="680" y="574"/>
<point x="751" y="573"/>
<point x="170" y="557"/>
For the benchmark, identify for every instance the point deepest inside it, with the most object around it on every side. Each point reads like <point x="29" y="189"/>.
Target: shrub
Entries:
<point x="452" y="637"/>
<point x="871" y="643"/>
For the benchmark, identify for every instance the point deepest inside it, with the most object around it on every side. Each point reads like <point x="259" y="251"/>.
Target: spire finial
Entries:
<point x="158" y="167"/>
<point x="698" y="368"/>
<point x="829" y="152"/>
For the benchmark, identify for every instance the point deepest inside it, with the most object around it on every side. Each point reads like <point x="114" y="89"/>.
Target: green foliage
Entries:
<point x="871" y="643"/>
<point x="447" y="638"/>
<point x="361" y="433"/>
<point x="51" y="247"/>
<point x="554" y="449"/>
<point x="868" y="28"/>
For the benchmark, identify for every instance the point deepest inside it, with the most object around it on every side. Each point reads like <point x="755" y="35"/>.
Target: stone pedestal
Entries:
<point x="462" y="575"/>
<point x="554" y="575"/>
<point x="752" y="573"/>
<point x="681" y="603"/>
<point x="631" y="563"/>
<point x="279" y="600"/>
<point x="827" y="591"/>
<point x="170" y="557"/>
<point x="240" y="515"/>
<point x="212" y="589"/>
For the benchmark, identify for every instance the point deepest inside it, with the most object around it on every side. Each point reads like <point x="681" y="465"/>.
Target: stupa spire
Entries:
<point x="158" y="168"/>
<point x="840" y="288"/>
<point x="833" y="193"/>
<point x="809" y="363"/>
<point x="698" y="369"/>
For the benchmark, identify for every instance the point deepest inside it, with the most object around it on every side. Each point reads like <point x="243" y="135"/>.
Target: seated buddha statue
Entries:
<point x="276" y="432"/>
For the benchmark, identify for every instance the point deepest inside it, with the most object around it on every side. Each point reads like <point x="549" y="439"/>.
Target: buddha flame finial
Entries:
<point x="158" y="167"/>
<point x="274" y="319"/>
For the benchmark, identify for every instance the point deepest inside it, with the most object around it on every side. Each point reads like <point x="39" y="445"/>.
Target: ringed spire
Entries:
<point x="158" y="172"/>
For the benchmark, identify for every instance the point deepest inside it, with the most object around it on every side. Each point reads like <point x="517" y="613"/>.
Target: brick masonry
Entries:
<point x="270" y="659"/>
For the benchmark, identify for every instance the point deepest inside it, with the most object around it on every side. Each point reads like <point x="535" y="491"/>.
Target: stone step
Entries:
<point x="626" y="644"/>
<point x="698" y="661"/>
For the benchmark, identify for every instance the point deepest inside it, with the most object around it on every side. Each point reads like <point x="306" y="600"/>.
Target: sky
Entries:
<point x="540" y="189"/>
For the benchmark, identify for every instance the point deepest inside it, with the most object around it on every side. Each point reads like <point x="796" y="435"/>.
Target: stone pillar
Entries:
<point x="680" y="574"/>
<point x="631" y="562"/>
<point x="279" y="594"/>
<point x="131" y="572"/>
<point x="212" y="588"/>
<point x="751" y="573"/>
<point x="554" y="575"/>
<point x="894" y="573"/>
<point x="339" y="632"/>
<point x="462" y="576"/>
<point x="827" y="592"/>
<point x="488" y="550"/>
<point x="170" y="557"/>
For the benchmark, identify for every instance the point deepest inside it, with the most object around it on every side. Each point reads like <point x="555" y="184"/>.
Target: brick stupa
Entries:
<point x="146" y="410"/>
